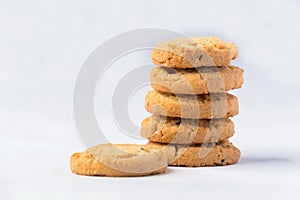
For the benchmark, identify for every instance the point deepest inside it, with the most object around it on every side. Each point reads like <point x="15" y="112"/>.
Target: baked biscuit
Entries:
<point x="120" y="160"/>
<point x="199" y="156"/>
<point x="192" y="106"/>
<point x="202" y="80"/>
<point x="194" y="52"/>
<point x="186" y="131"/>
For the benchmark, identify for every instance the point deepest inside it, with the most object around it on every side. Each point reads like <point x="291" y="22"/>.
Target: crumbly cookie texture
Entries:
<point x="194" y="52"/>
<point x="186" y="131"/>
<point x="192" y="106"/>
<point x="199" y="156"/>
<point x="118" y="160"/>
<point x="202" y="80"/>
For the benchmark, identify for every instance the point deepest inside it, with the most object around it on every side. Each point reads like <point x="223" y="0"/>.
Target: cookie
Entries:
<point x="192" y="106"/>
<point x="119" y="160"/>
<point x="194" y="52"/>
<point x="186" y="131"/>
<point x="199" y="156"/>
<point x="202" y="80"/>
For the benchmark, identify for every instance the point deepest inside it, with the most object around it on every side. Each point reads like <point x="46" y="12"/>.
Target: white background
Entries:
<point x="43" y="45"/>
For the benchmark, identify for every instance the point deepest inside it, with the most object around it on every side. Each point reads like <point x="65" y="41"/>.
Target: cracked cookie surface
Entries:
<point x="194" y="52"/>
<point x="199" y="156"/>
<point x="192" y="106"/>
<point x="196" y="81"/>
<point x="186" y="131"/>
<point x="119" y="160"/>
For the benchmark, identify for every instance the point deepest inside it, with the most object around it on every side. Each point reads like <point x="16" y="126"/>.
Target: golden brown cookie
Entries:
<point x="199" y="156"/>
<point x="202" y="80"/>
<point x="120" y="160"/>
<point x="194" y="52"/>
<point x="192" y="106"/>
<point x="186" y="131"/>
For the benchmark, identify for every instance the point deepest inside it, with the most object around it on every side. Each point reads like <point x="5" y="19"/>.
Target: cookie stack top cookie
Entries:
<point x="194" y="52"/>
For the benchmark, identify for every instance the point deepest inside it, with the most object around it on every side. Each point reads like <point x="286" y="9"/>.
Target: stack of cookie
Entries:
<point x="190" y="125"/>
<point x="190" y="104"/>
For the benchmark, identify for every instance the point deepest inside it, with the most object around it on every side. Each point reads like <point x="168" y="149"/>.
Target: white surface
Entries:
<point x="43" y="45"/>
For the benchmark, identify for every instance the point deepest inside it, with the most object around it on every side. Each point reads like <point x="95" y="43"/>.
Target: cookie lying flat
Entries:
<point x="194" y="52"/>
<point x="195" y="156"/>
<point x="120" y="160"/>
<point x="192" y="106"/>
<point x="202" y="80"/>
<point x="186" y="131"/>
